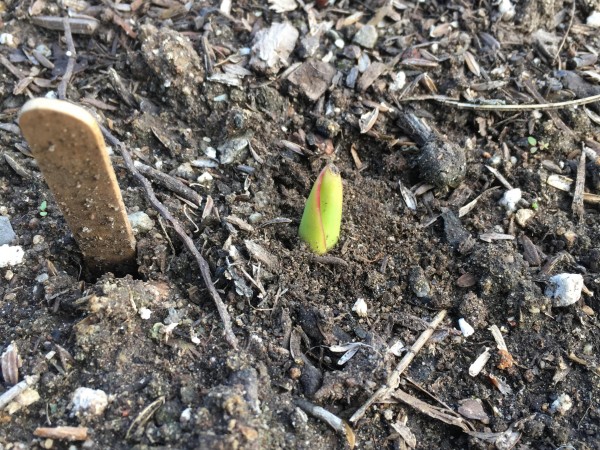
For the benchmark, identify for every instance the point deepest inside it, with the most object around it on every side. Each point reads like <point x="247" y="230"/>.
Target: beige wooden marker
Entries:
<point x="69" y="149"/>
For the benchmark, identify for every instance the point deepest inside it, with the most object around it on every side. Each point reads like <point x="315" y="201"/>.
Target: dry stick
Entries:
<point x="64" y="82"/>
<point x="577" y="205"/>
<point x="553" y="115"/>
<point x="487" y="107"/>
<point x="17" y="389"/>
<point x="564" y="39"/>
<point x="171" y="183"/>
<point x="189" y="244"/>
<point x="393" y="380"/>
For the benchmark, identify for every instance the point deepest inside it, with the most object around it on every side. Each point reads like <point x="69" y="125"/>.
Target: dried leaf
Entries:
<point x="281" y="6"/>
<point x="409" y="198"/>
<point x="367" y="120"/>
<point x="560" y="182"/>
<point x="472" y="64"/>
<point x="489" y="237"/>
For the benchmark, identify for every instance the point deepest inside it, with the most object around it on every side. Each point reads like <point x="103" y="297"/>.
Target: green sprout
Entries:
<point x="43" y="207"/>
<point x="322" y="218"/>
<point x="535" y="145"/>
<point x="535" y="205"/>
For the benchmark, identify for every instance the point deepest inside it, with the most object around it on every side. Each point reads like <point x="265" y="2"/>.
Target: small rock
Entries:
<point x="311" y="79"/>
<point x="561" y="405"/>
<point x="145" y="313"/>
<point x="366" y="36"/>
<point x="7" y="233"/>
<point x="593" y="20"/>
<point x="523" y="216"/>
<point x="11" y="255"/>
<point x="360" y="307"/>
<point x="140" y="222"/>
<point x="510" y="199"/>
<point x="185" y="171"/>
<point x="273" y="46"/>
<point x="565" y="289"/>
<point x="472" y="408"/>
<point x="25" y="398"/>
<point x="88" y="402"/>
<point x="234" y="150"/>
<point x="418" y="282"/>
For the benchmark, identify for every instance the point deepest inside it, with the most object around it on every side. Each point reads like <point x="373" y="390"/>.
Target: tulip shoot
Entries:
<point x="320" y="225"/>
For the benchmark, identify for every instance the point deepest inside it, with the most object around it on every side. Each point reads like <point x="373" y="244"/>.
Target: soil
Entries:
<point x="153" y="74"/>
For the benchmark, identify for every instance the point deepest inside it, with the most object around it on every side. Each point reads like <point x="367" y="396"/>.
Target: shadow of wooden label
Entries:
<point x="69" y="149"/>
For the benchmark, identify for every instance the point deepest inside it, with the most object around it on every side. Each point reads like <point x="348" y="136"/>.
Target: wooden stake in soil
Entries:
<point x="69" y="149"/>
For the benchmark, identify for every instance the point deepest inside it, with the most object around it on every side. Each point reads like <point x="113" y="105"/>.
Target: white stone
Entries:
<point x="466" y="329"/>
<point x="145" y="313"/>
<point x="88" y="402"/>
<point x="565" y="288"/>
<point x="506" y="9"/>
<point x="11" y="255"/>
<point x="140" y="222"/>
<point x="523" y="216"/>
<point x="360" y="307"/>
<point x="511" y="198"/>
<point x="561" y="405"/>
<point x="205" y="179"/>
<point x="397" y="348"/>
<point x="593" y="20"/>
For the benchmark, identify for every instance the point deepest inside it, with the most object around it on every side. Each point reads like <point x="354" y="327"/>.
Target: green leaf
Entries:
<point x="322" y="218"/>
<point x="43" y="205"/>
<point x="532" y="141"/>
<point x="43" y="213"/>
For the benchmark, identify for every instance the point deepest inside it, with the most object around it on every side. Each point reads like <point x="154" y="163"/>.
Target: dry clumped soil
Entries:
<point x="186" y="89"/>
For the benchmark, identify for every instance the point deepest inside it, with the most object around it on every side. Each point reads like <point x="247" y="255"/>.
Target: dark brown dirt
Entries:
<point x="171" y="380"/>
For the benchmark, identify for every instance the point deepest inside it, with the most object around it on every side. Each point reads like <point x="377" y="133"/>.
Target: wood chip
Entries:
<point x="472" y="64"/>
<point x="489" y="237"/>
<point x="63" y="433"/>
<point x="261" y="254"/>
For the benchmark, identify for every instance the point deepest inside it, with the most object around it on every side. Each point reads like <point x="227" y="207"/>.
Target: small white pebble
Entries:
<point x="37" y="239"/>
<point x="211" y="152"/>
<point x="466" y="329"/>
<point x="11" y="255"/>
<point x="397" y="348"/>
<point x="339" y="43"/>
<point x="565" y="288"/>
<point x="9" y="275"/>
<point x="88" y="402"/>
<point x="205" y="178"/>
<point x="593" y="20"/>
<point x="511" y="198"/>
<point x="186" y="415"/>
<point x="140" y="222"/>
<point x="561" y="405"/>
<point x="7" y="39"/>
<point x="145" y="313"/>
<point x="506" y="9"/>
<point x="360" y="307"/>
<point x="41" y="277"/>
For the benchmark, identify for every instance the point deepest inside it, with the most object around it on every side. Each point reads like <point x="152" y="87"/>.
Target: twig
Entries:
<point x="553" y="115"/>
<point x="187" y="241"/>
<point x="393" y="380"/>
<point x="330" y="419"/>
<point x="171" y="183"/>
<point x="564" y="39"/>
<point x="502" y="107"/>
<point x="64" y="82"/>
<point x="443" y="414"/>
<point x="9" y="395"/>
<point x="577" y="205"/>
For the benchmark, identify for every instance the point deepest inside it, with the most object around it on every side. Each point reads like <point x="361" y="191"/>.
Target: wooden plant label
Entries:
<point x="68" y="146"/>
